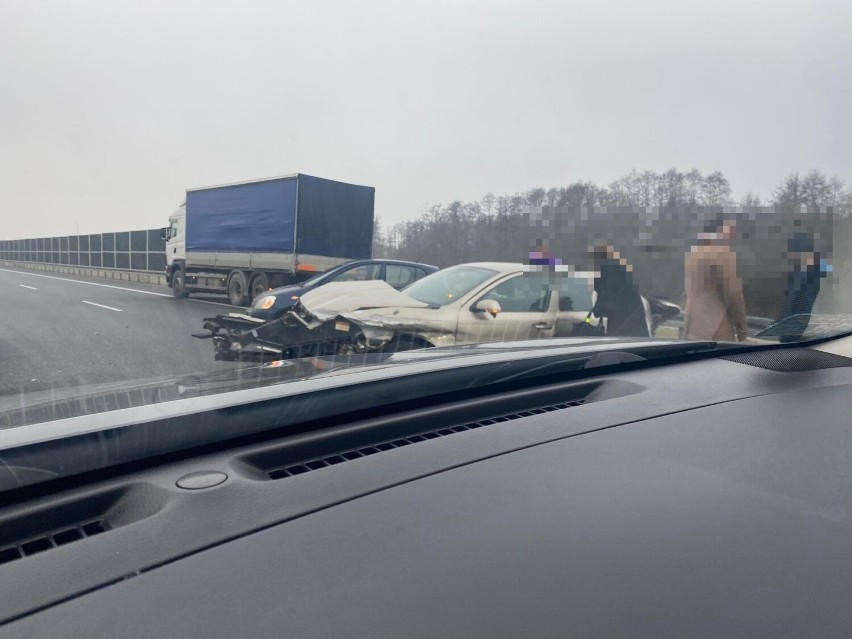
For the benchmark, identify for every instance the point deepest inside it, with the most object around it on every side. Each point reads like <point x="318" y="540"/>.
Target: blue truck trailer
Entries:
<point x="244" y="238"/>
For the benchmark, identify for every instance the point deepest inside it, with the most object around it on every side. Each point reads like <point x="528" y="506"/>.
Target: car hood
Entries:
<point x="338" y="298"/>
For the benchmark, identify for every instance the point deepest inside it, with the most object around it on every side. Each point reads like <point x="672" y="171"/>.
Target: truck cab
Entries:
<point x="175" y="236"/>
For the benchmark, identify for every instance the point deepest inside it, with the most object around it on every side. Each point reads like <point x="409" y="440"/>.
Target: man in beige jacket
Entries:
<point x="715" y="308"/>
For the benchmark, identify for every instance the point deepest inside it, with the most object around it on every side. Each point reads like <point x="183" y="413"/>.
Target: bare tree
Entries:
<point x="789" y="191"/>
<point x="535" y="197"/>
<point x="379" y="248"/>
<point x="750" y="199"/>
<point x="715" y="190"/>
<point x="815" y="189"/>
<point x="692" y="183"/>
<point x="488" y="201"/>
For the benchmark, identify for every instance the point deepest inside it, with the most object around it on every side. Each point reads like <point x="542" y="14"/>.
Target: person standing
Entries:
<point x="715" y="307"/>
<point x="803" y="283"/>
<point x="618" y="297"/>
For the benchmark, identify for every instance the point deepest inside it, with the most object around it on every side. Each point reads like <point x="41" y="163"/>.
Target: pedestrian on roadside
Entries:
<point x="542" y="255"/>
<point x="803" y="283"/>
<point x="618" y="298"/>
<point x="715" y="307"/>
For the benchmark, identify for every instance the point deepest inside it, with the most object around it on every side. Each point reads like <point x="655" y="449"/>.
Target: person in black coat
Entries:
<point x="618" y="297"/>
<point x="803" y="283"/>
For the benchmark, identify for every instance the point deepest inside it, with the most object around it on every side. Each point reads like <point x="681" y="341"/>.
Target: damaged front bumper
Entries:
<point x="236" y="336"/>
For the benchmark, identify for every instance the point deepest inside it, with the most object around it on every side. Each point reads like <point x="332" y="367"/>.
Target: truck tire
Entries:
<point x="259" y="285"/>
<point x="238" y="288"/>
<point x="179" y="283"/>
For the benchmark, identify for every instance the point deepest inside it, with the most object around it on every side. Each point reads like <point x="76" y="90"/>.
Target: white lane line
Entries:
<point x="120" y="288"/>
<point x="109" y="308"/>
<point x="65" y="279"/>
<point x="32" y="288"/>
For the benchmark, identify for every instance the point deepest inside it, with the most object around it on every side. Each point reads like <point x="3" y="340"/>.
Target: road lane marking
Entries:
<point x="65" y="279"/>
<point x="119" y="288"/>
<point x="109" y="308"/>
<point x="32" y="288"/>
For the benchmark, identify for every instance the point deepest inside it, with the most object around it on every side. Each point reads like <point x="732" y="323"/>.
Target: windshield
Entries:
<point x="577" y="173"/>
<point x="448" y="285"/>
<point x="322" y="277"/>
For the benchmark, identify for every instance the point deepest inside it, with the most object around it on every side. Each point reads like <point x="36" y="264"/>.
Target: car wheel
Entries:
<point x="237" y="288"/>
<point x="259" y="285"/>
<point x="179" y="283"/>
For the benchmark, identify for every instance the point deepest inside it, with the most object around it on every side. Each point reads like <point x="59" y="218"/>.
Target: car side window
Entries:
<point x="521" y="295"/>
<point x="575" y="294"/>
<point x="400" y="276"/>
<point x="420" y="273"/>
<point x="358" y="273"/>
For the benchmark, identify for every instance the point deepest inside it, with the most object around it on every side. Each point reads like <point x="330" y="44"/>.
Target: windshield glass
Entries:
<point x="322" y="277"/>
<point x="449" y="284"/>
<point x="636" y="160"/>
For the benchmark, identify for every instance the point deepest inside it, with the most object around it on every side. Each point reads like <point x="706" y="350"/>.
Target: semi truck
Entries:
<point x="244" y="238"/>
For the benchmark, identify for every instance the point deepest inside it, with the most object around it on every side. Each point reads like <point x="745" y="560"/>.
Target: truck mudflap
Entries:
<point x="238" y="337"/>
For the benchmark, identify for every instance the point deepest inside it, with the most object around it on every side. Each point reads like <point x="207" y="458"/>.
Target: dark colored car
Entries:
<point x="397" y="273"/>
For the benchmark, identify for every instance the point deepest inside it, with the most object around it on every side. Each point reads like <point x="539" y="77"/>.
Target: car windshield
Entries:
<point x="319" y="278"/>
<point x="580" y="173"/>
<point x="448" y="285"/>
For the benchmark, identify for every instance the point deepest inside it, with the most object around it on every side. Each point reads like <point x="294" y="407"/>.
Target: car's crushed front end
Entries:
<point x="294" y="335"/>
<point x="335" y="320"/>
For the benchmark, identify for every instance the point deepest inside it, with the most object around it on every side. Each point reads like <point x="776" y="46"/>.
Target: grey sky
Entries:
<point x="111" y="109"/>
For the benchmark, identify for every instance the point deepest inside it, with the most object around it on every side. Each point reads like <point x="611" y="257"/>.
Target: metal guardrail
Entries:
<point x="127" y="250"/>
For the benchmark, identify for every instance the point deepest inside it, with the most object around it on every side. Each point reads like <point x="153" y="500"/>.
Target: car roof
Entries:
<point x="513" y="267"/>
<point x="500" y="267"/>
<point x="390" y="261"/>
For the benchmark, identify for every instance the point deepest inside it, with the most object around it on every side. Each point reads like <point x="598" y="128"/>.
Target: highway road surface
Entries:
<point x="64" y="331"/>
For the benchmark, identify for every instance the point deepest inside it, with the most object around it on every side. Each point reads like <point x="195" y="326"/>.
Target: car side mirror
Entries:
<point x="165" y="233"/>
<point x="487" y="306"/>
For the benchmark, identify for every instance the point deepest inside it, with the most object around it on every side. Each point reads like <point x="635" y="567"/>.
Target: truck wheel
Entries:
<point x="259" y="285"/>
<point x="237" y="288"/>
<point x="179" y="283"/>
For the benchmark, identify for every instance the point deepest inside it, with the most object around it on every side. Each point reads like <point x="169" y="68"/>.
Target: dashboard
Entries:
<point x="704" y="498"/>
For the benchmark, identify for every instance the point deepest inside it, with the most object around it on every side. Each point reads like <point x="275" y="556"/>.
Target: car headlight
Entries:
<point x="265" y="302"/>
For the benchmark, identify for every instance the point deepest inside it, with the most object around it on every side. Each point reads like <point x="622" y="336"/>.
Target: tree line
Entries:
<point x="495" y="228"/>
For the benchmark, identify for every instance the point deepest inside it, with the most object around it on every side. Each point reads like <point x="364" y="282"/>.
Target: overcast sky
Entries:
<point x="109" y="110"/>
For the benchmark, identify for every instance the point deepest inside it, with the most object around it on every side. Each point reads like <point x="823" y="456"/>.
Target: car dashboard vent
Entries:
<point x="55" y="539"/>
<point x="308" y="465"/>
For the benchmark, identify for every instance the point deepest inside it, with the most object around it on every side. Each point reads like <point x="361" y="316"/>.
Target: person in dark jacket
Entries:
<point x="803" y="283"/>
<point x="618" y="297"/>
